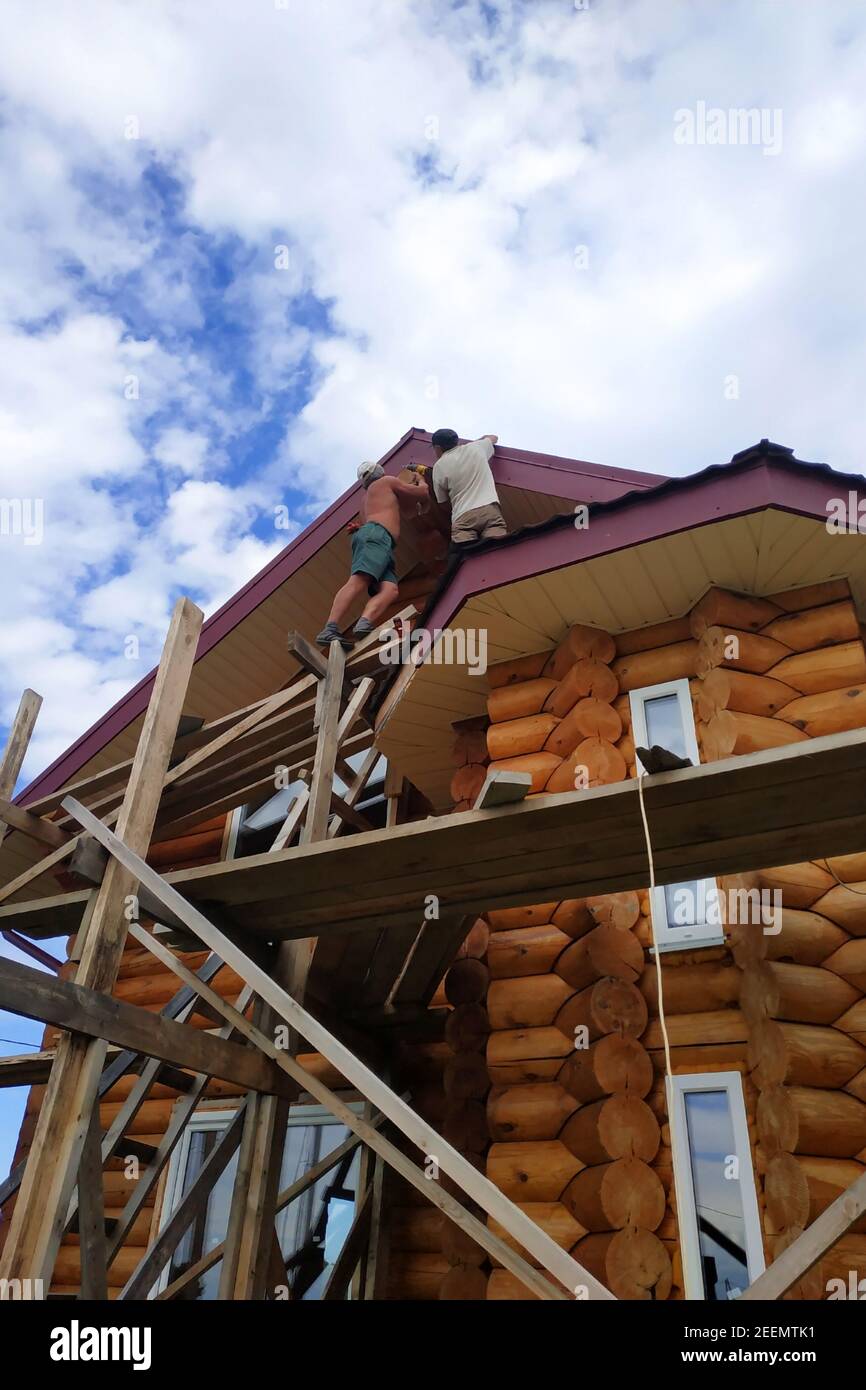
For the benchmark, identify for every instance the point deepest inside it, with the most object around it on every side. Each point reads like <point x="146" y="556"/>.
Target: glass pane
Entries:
<point x="683" y="903"/>
<point x="664" y="724"/>
<point x="273" y="811"/>
<point x="693" y="904"/>
<point x="718" y="1196"/>
<point x="209" y="1229"/>
<point x="313" y="1228"/>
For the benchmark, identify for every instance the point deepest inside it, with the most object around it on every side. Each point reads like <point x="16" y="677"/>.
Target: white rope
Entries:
<point x="656" y="952"/>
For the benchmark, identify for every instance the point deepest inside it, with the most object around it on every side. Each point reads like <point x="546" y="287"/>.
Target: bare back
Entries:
<point x="385" y="499"/>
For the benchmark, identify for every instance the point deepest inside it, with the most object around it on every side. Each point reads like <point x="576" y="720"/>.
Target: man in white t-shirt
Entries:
<point x="462" y="476"/>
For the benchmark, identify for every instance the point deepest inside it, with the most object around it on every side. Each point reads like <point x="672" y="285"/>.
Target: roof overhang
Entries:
<point x="757" y="526"/>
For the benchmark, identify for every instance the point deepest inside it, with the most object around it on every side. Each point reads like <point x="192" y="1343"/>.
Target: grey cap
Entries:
<point x="368" y="472"/>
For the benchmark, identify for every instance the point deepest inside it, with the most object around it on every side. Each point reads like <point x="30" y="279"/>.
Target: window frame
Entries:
<point x="668" y="937"/>
<point x="219" y="1118"/>
<point x="678" y="1087"/>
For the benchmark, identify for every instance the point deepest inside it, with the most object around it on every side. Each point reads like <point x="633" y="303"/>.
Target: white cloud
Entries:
<point x="182" y="449"/>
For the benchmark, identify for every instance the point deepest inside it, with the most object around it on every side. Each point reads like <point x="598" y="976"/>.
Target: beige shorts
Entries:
<point x="479" y="524"/>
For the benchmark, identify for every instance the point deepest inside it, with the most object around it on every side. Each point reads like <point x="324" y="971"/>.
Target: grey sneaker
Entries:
<point x="362" y="627"/>
<point x="331" y="633"/>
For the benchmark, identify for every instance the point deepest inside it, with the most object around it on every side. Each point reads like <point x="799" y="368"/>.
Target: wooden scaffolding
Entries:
<point x="261" y="917"/>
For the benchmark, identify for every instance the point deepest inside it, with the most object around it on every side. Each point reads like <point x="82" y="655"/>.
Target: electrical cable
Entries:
<point x="860" y="892"/>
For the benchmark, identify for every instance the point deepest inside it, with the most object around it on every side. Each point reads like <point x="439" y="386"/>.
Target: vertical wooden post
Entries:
<point x="64" y="1116"/>
<point x="377" y="1249"/>
<point x="91" y="1214"/>
<point x="250" y="1234"/>
<point x="16" y="746"/>
<point x="322" y="782"/>
<point x="10" y="765"/>
<point x="248" y="1261"/>
<point x="11" y="762"/>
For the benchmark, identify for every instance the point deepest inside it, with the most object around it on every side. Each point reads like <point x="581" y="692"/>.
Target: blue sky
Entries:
<point x="245" y="246"/>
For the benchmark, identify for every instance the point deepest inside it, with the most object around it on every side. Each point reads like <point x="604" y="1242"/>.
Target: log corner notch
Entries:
<point x="575" y="1140"/>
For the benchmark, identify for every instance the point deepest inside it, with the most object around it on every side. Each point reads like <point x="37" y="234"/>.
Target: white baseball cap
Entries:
<point x="368" y="472"/>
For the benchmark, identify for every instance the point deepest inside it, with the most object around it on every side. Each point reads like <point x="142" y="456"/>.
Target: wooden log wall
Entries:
<point x="581" y="1136"/>
<point x="575" y="1140"/>
<point x="411" y="1241"/>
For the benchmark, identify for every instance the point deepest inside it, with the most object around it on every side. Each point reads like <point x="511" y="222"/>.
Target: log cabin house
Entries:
<point x="668" y="1083"/>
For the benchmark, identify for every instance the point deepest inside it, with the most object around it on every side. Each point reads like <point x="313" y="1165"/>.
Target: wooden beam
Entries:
<point x="779" y="806"/>
<point x="363" y="654"/>
<point x="26" y="1069"/>
<point x="354" y="790"/>
<point x="377" y="1252"/>
<point x="366" y="655"/>
<point x="91" y="1215"/>
<point x="433" y="953"/>
<point x="249" y="1236"/>
<point x="45" y="831"/>
<point x="355" y="707"/>
<point x="116" y="776"/>
<point x="322" y="781"/>
<point x="244" y="754"/>
<point x="306" y="655"/>
<point x="43" y="866"/>
<point x="296" y="814"/>
<point x="346" y="812"/>
<point x="519" y="1226"/>
<point x="16" y="746"/>
<point x="776" y="807"/>
<point x="76" y="1009"/>
<point x="808" y="1248"/>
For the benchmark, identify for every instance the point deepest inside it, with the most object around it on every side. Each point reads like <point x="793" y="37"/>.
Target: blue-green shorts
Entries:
<point x="373" y="555"/>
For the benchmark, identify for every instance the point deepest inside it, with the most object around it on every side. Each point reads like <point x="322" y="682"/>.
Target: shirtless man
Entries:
<point x="374" y="540"/>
